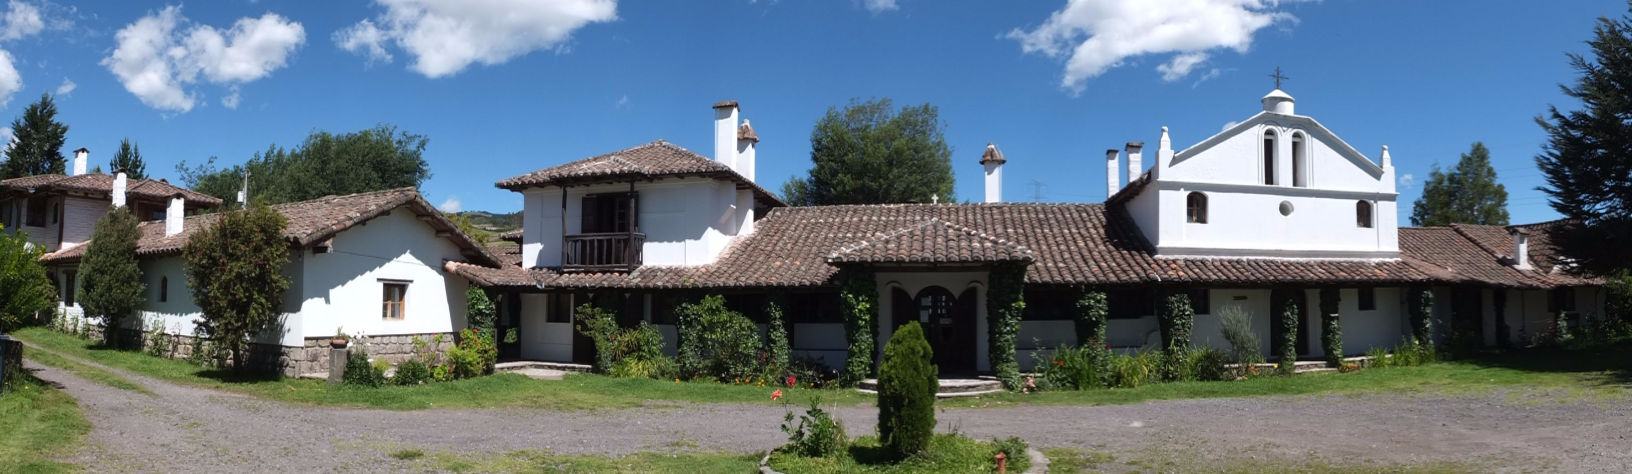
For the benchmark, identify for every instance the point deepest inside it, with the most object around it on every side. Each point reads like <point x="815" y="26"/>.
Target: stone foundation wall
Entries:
<point x="290" y="361"/>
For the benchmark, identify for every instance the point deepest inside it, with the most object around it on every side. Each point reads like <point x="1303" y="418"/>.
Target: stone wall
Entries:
<point x="312" y="357"/>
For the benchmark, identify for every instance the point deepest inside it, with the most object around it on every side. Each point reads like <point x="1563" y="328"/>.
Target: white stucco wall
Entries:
<point x="686" y="221"/>
<point x="79" y="219"/>
<point x="344" y="288"/>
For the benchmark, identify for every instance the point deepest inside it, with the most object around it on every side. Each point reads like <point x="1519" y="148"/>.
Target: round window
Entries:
<point x="1286" y="208"/>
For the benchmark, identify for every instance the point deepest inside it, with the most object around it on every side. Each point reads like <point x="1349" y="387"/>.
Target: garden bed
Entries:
<point x="946" y="453"/>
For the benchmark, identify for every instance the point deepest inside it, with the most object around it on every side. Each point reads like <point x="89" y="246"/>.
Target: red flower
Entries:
<point x="777" y="395"/>
<point x="792" y="381"/>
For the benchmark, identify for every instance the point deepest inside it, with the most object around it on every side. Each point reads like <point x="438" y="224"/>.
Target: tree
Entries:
<point x="235" y="271"/>
<point x="1468" y="194"/>
<point x="868" y="153"/>
<point x="324" y="164"/>
<point x="479" y="312"/>
<point x="1587" y="160"/>
<point x="907" y="382"/>
<point x="37" y="144"/>
<point x="129" y="158"/>
<point x="24" y="287"/>
<point x="469" y="227"/>
<point x="111" y="285"/>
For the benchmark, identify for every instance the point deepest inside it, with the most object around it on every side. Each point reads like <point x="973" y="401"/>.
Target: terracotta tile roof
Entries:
<point x="310" y="222"/>
<point x="511" y="236"/>
<point x="992" y="155"/>
<point x="1070" y="244"/>
<point x="931" y="241"/>
<point x="1547" y="263"/>
<point x="148" y="189"/>
<point x="655" y="160"/>
<point x="1462" y="258"/>
<point x="746" y="132"/>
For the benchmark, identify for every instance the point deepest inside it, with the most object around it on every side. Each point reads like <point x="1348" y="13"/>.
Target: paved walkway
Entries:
<point x="187" y="429"/>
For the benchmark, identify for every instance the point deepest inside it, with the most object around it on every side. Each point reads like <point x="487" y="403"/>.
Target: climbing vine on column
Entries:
<point x="1331" y="329"/>
<point x="858" y="292"/>
<point x="1005" y="302"/>
<point x="1287" y="314"/>
<point x="1092" y="308"/>
<point x="1422" y="310"/>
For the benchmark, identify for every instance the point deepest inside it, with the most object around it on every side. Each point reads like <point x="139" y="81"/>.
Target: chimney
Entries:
<point x="1278" y="102"/>
<point x="746" y="142"/>
<point x="1135" y="164"/>
<point x="1164" y="154"/>
<point x="175" y="215"/>
<point x="80" y="156"/>
<point x="1521" y="248"/>
<point x="725" y="133"/>
<point x="993" y="161"/>
<point x="1387" y="161"/>
<point x="118" y="187"/>
<point x="1111" y="179"/>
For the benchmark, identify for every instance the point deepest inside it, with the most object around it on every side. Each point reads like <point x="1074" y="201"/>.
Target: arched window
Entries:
<point x="1195" y="208"/>
<point x="1362" y="214"/>
<point x="1300" y="162"/>
<point x="164" y="289"/>
<point x="1269" y="158"/>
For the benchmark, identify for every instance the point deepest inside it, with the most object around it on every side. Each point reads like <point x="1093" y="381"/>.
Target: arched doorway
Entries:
<point x="948" y="322"/>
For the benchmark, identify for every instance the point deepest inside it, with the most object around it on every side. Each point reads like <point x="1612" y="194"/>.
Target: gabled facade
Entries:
<point x="60" y="211"/>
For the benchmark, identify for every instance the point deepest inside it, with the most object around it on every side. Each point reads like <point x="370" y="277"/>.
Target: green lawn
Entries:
<point x="37" y="421"/>
<point x="543" y="461"/>
<point x="85" y="371"/>
<point x="1600" y="375"/>
<point x="946" y="453"/>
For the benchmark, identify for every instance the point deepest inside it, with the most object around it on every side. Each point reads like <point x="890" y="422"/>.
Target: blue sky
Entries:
<point x="529" y="87"/>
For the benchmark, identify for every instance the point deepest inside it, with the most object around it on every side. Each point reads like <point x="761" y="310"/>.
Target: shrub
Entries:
<point x="110" y="284"/>
<point x="716" y="342"/>
<point x="1092" y="309"/>
<point x="1331" y="328"/>
<point x="1074" y="367"/>
<point x="411" y="372"/>
<point x="235" y="271"/>
<point x="1287" y="314"/>
<point x="816" y="435"/>
<point x="1377" y="357"/>
<point x="1132" y="371"/>
<point x="479" y="312"/>
<point x="1206" y="364"/>
<point x="1619" y="302"/>
<point x="907" y="382"/>
<point x="1005" y="303"/>
<point x="1421" y="311"/>
<point x="600" y="326"/>
<point x="359" y="372"/>
<point x="811" y="372"/>
<point x="633" y="352"/>
<point x="777" y="350"/>
<point x="858" y="293"/>
<point x="1176" y="322"/>
<point x="1012" y="448"/>
<point x="24" y="287"/>
<point x="1236" y="326"/>
<point x="660" y="368"/>
<point x="474" y="354"/>
<point x="159" y="342"/>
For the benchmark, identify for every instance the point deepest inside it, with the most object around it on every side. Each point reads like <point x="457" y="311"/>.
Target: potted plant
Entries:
<point x="340" y="339"/>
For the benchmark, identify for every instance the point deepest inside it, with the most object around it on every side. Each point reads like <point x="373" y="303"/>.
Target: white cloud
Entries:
<point x="1228" y="124"/>
<point x="6" y="137"/>
<point x="10" y="80"/>
<point x="879" y="6"/>
<point x="155" y="60"/>
<point x="231" y="99"/>
<point x="20" y="21"/>
<point x="67" y="87"/>
<point x="623" y="102"/>
<point x="1095" y="36"/>
<point x="451" y="204"/>
<point x="1207" y="76"/>
<point x="1407" y="180"/>
<point x="446" y="36"/>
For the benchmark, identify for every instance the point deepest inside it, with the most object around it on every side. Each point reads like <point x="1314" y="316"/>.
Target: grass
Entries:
<point x="39" y="420"/>
<point x="85" y="371"/>
<point x="946" y="453"/>
<point x="575" y="392"/>
<point x="408" y="454"/>
<point x="540" y="461"/>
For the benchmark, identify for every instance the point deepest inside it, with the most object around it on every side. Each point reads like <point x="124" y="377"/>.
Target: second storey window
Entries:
<point x="1195" y="208"/>
<point x="609" y="212"/>
<point x="1269" y="158"/>
<point x="393" y="305"/>
<point x="1362" y="214"/>
<point x="36" y="211"/>
<point x="164" y="289"/>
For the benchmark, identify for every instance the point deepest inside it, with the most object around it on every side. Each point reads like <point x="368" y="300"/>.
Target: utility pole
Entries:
<point x="243" y="195"/>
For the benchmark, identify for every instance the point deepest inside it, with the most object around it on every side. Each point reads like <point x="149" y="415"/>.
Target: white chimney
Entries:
<point x="80" y="156"/>
<point x="1387" y="161"/>
<point x="725" y="133"/>
<point x="1111" y="170"/>
<point x="1136" y="164"/>
<point x="993" y="161"/>
<point x="1521" y="248"/>
<point x="118" y="188"/>
<point x="1164" y="155"/>
<point x="746" y="142"/>
<point x="175" y="215"/>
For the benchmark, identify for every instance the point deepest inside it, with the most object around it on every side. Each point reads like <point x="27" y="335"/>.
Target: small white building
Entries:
<point x="1276" y="204"/>
<point x="366" y="264"/>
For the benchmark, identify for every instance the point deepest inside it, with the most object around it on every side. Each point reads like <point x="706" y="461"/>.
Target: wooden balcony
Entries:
<point x="610" y="251"/>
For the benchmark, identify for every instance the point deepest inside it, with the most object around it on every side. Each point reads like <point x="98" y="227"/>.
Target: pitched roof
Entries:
<point x="1070" y="244"/>
<point x="931" y="241"/>
<point x="655" y="160"/>
<point x="992" y="155"/>
<point x="310" y="222"/>
<point x="103" y="183"/>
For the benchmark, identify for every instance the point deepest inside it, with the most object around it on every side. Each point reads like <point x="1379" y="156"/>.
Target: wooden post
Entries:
<point x="563" y="241"/>
<point x="629" y="242"/>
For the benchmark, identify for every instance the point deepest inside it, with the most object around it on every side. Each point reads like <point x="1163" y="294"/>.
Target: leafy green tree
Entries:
<point x="1468" y="194"/>
<point x="907" y="382"/>
<point x="111" y="282"/>
<point x="868" y="153"/>
<point x="129" y="158"/>
<point x="24" y="287"/>
<point x="469" y="227"/>
<point x="235" y="271"/>
<point x="1587" y="160"/>
<point x="37" y="144"/>
<point x="324" y="164"/>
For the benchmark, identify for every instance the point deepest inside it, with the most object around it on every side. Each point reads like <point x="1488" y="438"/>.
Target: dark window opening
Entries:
<point x="812" y="308"/>
<point x="1195" y="208"/>
<point x="609" y="212"/>
<point x="1131" y="304"/>
<point x="560" y="308"/>
<point x="1368" y="299"/>
<point x="1269" y="158"/>
<point x="1362" y="214"/>
<point x="1050" y="305"/>
<point x="36" y="212"/>
<point x="1298" y="166"/>
<point x="68" y="288"/>
<point x="1563" y="300"/>
<point x="751" y="306"/>
<point x="164" y="289"/>
<point x="1200" y="300"/>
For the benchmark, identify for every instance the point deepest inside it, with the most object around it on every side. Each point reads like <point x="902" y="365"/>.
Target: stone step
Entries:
<point x="949" y="387"/>
<point x="533" y="364"/>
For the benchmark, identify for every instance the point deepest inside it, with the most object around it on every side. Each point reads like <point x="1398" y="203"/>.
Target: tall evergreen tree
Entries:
<point x="1468" y="194"/>
<point x="1587" y="160"/>
<point x="129" y="158"/>
<point x="869" y="153"/>
<point x="111" y="286"/>
<point x="37" y="146"/>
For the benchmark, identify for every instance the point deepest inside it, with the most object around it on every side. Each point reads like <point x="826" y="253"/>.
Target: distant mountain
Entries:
<point x="496" y="223"/>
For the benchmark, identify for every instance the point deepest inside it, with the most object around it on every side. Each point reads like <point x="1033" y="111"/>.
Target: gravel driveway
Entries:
<point x="190" y="429"/>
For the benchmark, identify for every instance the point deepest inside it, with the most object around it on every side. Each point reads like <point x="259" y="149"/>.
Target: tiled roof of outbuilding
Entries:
<point x="655" y="160"/>
<point x="103" y="183"/>
<point x="931" y="241"/>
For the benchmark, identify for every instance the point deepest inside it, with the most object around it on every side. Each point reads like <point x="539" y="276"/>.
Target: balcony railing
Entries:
<point x="610" y="251"/>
